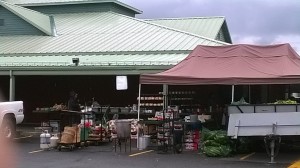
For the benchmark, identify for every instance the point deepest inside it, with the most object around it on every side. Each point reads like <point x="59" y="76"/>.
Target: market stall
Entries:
<point x="232" y="65"/>
<point x="240" y="64"/>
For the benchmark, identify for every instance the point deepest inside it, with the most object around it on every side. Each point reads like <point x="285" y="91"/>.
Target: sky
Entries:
<point x="260" y="22"/>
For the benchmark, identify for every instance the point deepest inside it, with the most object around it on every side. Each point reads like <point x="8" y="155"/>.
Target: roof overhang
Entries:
<point x="75" y="2"/>
<point x="74" y="70"/>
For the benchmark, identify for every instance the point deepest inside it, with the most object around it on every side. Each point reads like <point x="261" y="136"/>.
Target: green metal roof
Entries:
<point x="69" y="2"/>
<point x="203" y="26"/>
<point x="104" y="32"/>
<point x="39" y="20"/>
<point x="104" y="42"/>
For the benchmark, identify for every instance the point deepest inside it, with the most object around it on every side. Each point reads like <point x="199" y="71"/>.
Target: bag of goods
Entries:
<point x="71" y="135"/>
<point x="67" y="137"/>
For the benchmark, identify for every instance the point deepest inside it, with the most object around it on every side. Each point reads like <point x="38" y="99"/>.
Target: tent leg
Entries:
<point x="232" y="93"/>
<point x="249" y="95"/>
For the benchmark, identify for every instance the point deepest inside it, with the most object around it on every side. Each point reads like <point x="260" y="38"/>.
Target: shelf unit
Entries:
<point x="150" y="103"/>
<point x="163" y="134"/>
<point x="184" y="99"/>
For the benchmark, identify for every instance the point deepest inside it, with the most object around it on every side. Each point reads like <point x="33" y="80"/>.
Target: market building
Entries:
<point x="50" y="47"/>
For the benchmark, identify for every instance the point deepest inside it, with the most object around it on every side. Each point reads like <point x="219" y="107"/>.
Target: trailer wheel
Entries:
<point x="8" y="127"/>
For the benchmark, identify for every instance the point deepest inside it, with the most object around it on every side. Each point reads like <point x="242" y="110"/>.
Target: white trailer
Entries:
<point x="268" y="124"/>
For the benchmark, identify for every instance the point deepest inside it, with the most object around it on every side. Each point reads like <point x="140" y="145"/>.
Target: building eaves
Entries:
<point x="62" y="60"/>
<point x="41" y="21"/>
<point x="70" y="2"/>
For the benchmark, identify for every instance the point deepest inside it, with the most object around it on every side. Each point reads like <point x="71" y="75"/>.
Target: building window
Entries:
<point x="1" y="22"/>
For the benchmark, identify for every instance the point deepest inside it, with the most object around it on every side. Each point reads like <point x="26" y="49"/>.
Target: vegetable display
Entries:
<point x="216" y="144"/>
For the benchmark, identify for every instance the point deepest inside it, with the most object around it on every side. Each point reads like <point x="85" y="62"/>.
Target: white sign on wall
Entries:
<point x="121" y="83"/>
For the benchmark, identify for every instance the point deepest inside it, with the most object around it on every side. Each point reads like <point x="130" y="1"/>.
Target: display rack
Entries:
<point x="150" y="103"/>
<point x="99" y="133"/>
<point x="165" y="131"/>
<point x="185" y="100"/>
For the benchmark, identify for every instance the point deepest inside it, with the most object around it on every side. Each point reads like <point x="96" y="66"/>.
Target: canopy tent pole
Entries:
<point x="232" y="93"/>
<point x="139" y="109"/>
<point x="249" y="94"/>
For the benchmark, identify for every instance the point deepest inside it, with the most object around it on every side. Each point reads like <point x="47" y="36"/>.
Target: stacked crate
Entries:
<point x="192" y="139"/>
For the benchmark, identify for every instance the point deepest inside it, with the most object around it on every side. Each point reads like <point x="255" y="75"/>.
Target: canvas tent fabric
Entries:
<point x="232" y="65"/>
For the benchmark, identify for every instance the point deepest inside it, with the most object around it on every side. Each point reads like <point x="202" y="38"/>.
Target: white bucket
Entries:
<point x="144" y="142"/>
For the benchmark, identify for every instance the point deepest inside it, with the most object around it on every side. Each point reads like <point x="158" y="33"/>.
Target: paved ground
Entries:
<point x="30" y="156"/>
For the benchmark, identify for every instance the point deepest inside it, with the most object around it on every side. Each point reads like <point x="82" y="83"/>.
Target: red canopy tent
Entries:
<point x="239" y="64"/>
<point x="232" y="65"/>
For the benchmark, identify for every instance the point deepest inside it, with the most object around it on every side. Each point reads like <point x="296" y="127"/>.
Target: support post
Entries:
<point x="165" y="96"/>
<point x="232" y="93"/>
<point x="139" y="109"/>
<point x="139" y="102"/>
<point x="11" y="86"/>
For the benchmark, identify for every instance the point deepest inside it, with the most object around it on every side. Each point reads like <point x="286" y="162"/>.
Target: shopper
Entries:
<point x="73" y="103"/>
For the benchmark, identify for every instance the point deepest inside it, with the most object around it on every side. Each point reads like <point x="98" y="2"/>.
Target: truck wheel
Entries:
<point x="8" y="128"/>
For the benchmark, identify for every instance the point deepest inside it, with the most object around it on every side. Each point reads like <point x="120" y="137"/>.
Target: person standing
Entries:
<point x="73" y="103"/>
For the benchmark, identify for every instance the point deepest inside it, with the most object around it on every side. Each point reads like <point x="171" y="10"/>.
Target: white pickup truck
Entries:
<point x="11" y="114"/>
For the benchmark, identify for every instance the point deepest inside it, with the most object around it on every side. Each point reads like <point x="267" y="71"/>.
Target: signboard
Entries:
<point x="121" y="83"/>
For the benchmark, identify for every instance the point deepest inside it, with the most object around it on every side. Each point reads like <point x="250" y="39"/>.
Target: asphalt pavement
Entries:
<point x="29" y="155"/>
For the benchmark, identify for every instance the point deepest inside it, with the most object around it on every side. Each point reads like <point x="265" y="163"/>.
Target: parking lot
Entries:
<point x="30" y="155"/>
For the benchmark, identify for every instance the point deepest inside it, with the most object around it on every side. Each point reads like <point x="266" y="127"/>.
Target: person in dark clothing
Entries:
<point x="73" y="103"/>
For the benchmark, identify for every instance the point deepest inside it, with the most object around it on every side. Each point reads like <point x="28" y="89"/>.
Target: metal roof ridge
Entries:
<point x="186" y="18"/>
<point x="172" y="29"/>
<point x="48" y="29"/>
